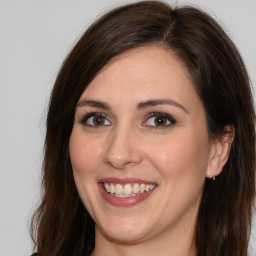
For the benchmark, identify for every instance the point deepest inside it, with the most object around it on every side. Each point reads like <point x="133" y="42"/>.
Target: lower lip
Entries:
<point x="124" y="201"/>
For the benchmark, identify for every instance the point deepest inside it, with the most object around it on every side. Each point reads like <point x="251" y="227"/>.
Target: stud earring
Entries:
<point x="213" y="178"/>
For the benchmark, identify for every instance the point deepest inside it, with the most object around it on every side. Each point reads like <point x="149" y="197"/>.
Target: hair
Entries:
<point x="61" y="225"/>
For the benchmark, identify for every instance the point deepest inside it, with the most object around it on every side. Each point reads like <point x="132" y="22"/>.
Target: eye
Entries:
<point x="159" y="120"/>
<point x="95" y="119"/>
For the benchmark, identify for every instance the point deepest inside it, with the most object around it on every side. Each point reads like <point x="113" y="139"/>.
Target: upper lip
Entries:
<point x="114" y="180"/>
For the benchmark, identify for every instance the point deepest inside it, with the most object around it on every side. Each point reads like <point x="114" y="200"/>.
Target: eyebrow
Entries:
<point x="140" y="106"/>
<point x="94" y="104"/>
<point x="151" y="103"/>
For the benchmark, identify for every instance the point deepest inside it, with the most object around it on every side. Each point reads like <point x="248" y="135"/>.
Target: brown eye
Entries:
<point x="95" y="120"/>
<point x="160" y="121"/>
<point x="98" y="120"/>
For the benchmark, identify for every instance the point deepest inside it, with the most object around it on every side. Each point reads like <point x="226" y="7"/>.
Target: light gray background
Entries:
<point x="34" y="38"/>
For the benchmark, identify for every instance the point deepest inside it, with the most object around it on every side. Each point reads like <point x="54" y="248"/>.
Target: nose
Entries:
<point x="122" y="149"/>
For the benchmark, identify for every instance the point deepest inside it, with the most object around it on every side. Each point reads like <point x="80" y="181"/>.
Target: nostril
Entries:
<point x="121" y="149"/>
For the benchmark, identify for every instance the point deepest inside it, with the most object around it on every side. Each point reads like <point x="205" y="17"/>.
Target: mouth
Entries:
<point x="125" y="192"/>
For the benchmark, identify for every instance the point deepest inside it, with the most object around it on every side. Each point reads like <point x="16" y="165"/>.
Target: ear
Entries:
<point x="219" y="153"/>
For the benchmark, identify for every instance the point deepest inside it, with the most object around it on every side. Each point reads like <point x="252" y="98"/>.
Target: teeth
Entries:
<point x="128" y="189"/>
<point x="136" y="188"/>
<point x="119" y="189"/>
<point x="107" y="187"/>
<point x="151" y="186"/>
<point x="142" y="188"/>
<point x="112" y="189"/>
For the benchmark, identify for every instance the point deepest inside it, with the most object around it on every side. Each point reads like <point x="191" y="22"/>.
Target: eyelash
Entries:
<point x="168" y="117"/>
<point x="86" y="117"/>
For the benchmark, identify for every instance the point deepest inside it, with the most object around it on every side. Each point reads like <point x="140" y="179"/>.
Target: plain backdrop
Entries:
<point x="35" y="36"/>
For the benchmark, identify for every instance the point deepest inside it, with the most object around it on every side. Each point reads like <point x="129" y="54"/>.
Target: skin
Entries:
<point x="177" y="156"/>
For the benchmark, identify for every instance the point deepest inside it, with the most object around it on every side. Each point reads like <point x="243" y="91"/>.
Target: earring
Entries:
<point x="213" y="178"/>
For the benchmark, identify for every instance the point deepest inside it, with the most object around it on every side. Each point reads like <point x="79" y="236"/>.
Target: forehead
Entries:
<point x="142" y="72"/>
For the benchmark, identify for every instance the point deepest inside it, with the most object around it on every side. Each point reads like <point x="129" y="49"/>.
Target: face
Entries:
<point x="140" y="148"/>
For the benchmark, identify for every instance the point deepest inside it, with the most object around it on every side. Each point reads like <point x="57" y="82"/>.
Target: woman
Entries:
<point x="150" y="144"/>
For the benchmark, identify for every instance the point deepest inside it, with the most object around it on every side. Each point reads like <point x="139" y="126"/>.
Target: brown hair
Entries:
<point x="61" y="224"/>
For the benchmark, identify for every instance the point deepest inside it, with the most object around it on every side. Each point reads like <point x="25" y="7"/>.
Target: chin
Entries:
<point x="126" y="230"/>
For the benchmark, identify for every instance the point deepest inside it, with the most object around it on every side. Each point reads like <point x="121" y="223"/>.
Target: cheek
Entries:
<point x="181" y="156"/>
<point x="83" y="155"/>
<point x="84" y="158"/>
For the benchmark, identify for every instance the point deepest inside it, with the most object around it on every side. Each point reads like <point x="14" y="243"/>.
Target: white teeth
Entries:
<point x="119" y="189"/>
<point x="142" y="188"/>
<point x="107" y="187"/>
<point x="128" y="189"/>
<point x="112" y="189"/>
<point x="136" y="188"/>
<point x="151" y="186"/>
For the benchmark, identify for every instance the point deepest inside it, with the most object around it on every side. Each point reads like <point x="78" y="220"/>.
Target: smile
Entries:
<point x="127" y="190"/>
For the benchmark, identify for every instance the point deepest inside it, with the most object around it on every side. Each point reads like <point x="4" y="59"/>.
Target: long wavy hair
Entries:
<point x="61" y="225"/>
